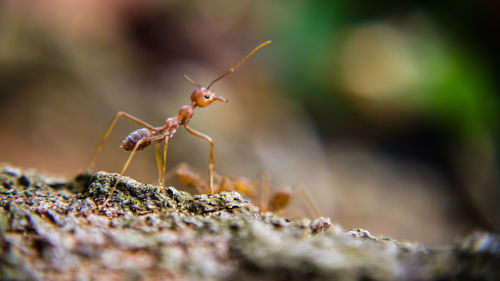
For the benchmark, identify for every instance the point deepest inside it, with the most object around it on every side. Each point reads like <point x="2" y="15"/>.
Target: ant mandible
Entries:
<point x="141" y="138"/>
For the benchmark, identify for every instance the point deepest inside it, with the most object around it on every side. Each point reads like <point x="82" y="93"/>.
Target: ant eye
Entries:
<point x="207" y="96"/>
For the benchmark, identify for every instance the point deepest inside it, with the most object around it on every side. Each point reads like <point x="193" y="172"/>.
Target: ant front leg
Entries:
<point x="211" y="165"/>
<point x="138" y="144"/>
<point x="108" y="131"/>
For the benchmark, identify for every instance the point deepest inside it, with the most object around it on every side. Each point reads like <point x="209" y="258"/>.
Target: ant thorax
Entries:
<point x="171" y="125"/>
<point x="185" y="113"/>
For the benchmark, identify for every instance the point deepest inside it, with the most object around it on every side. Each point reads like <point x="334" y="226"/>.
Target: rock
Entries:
<point x="51" y="229"/>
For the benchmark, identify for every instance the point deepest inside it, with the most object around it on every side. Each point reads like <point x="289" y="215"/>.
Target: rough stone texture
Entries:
<point x="51" y="229"/>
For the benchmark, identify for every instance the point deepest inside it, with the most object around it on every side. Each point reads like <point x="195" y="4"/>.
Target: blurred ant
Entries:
<point x="141" y="138"/>
<point x="282" y="197"/>
<point x="189" y="178"/>
<point x="278" y="202"/>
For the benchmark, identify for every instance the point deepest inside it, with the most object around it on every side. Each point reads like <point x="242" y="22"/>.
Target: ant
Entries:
<point x="141" y="138"/>
<point x="279" y="201"/>
<point x="189" y="178"/>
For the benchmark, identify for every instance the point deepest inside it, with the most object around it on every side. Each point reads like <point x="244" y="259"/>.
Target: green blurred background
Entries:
<point x="386" y="110"/>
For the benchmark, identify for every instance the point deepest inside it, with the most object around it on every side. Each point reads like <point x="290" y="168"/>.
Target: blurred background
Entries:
<point x="387" y="111"/>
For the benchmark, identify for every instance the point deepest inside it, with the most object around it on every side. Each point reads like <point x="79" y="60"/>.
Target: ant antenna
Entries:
<point x="192" y="81"/>
<point x="232" y="69"/>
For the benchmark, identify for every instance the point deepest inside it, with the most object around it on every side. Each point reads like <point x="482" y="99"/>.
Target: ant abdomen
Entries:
<point x="131" y="140"/>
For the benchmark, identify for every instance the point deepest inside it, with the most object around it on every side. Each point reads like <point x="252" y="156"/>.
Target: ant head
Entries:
<point x="204" y="97"/>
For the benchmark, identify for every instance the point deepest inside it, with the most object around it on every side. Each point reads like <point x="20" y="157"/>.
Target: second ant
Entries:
<point x="279" y="200"/>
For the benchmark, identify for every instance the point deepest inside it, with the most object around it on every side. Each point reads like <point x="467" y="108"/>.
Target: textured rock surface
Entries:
<point x="51" y="229"/>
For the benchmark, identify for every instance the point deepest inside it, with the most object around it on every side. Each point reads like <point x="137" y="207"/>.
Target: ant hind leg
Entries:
<point x="158" y="157"/>
<point x="108" y="131"/>
<point x="154" y="138"/>
<point x="164" y="166"/>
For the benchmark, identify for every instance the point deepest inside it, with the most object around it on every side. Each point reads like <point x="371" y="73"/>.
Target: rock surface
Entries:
<point x="53" y="229"/>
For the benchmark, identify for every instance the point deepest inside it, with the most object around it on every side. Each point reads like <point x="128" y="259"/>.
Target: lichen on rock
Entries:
<point x="53" y="229"/>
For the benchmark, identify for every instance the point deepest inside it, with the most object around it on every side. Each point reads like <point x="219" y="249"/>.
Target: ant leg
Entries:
<point x="211" y="164"/>
<point x="118" y="115"/>
<point x="162" y="173"/>
<point x="154" y="138"/>
<point x="302" y="190"/>
<point x="158" y="157"/>
<point x="171" y="173"/>
<point x="264" y="193"/>
<point x="187" y="177"/>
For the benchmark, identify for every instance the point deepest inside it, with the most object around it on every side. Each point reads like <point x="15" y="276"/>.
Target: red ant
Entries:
<point x="141" y="138"/>
<point x="279" y="201"/>
<point x="189" y="178"/>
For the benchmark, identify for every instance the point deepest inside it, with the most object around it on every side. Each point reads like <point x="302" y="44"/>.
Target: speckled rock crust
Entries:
<point x="53" y="229"/>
